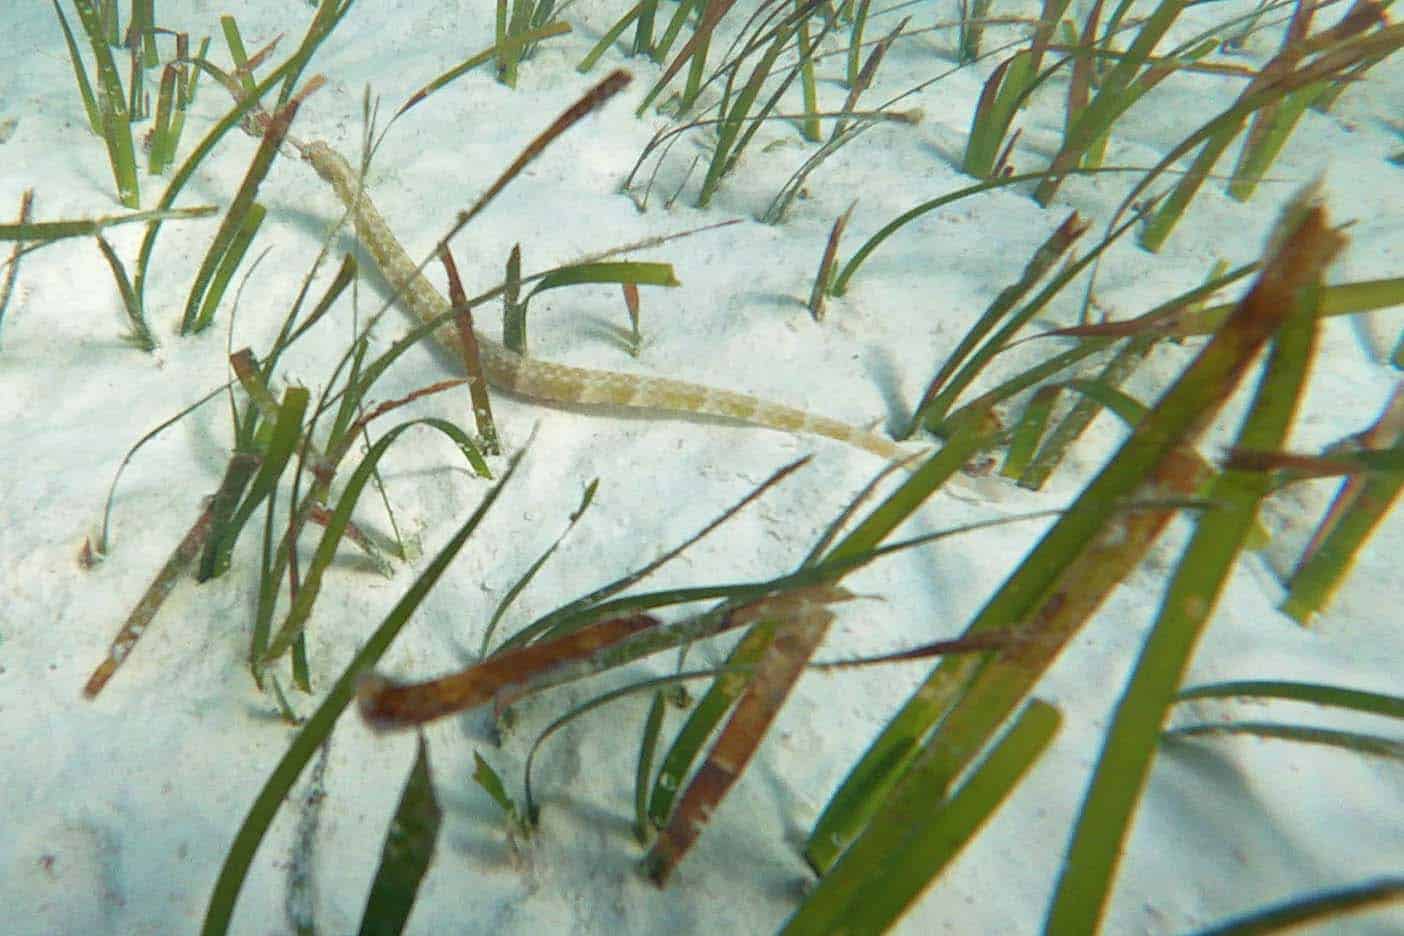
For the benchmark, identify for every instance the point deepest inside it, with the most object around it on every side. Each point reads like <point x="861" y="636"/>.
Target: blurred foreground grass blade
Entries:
<point x="1184" y="316"/>
<point x="319" y="727"/>
<point x="409" y="847"/>
<point x="1360" y="505"/>
<point x="1078" y="561"/>
<point x="918" y="832"/>
<point x="1324" y="905"/>
<point x="1287" y="292"/>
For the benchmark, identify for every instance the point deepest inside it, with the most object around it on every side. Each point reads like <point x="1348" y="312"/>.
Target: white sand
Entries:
<point x="119" y="811"/>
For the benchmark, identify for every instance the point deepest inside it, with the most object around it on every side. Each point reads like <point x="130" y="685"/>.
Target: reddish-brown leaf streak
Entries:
<point x="387" y="705"/>
<point x="802" y="631"/>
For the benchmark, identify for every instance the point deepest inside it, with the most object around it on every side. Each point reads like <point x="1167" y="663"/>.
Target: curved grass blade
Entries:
<point x="579" y="611"/>
<point x="626" y="273"/>
<point x="409" y="848"/>
<point x="643" y="773"/>
<point x="896" y="224"/>
<point x="1373" y="703"/>
<point x="1325" y="905"/>
<point x="103" y="538"/>
<point x="318" y="728"/>
<point x="586" y="499"/>
<point x="509" y="45"/>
